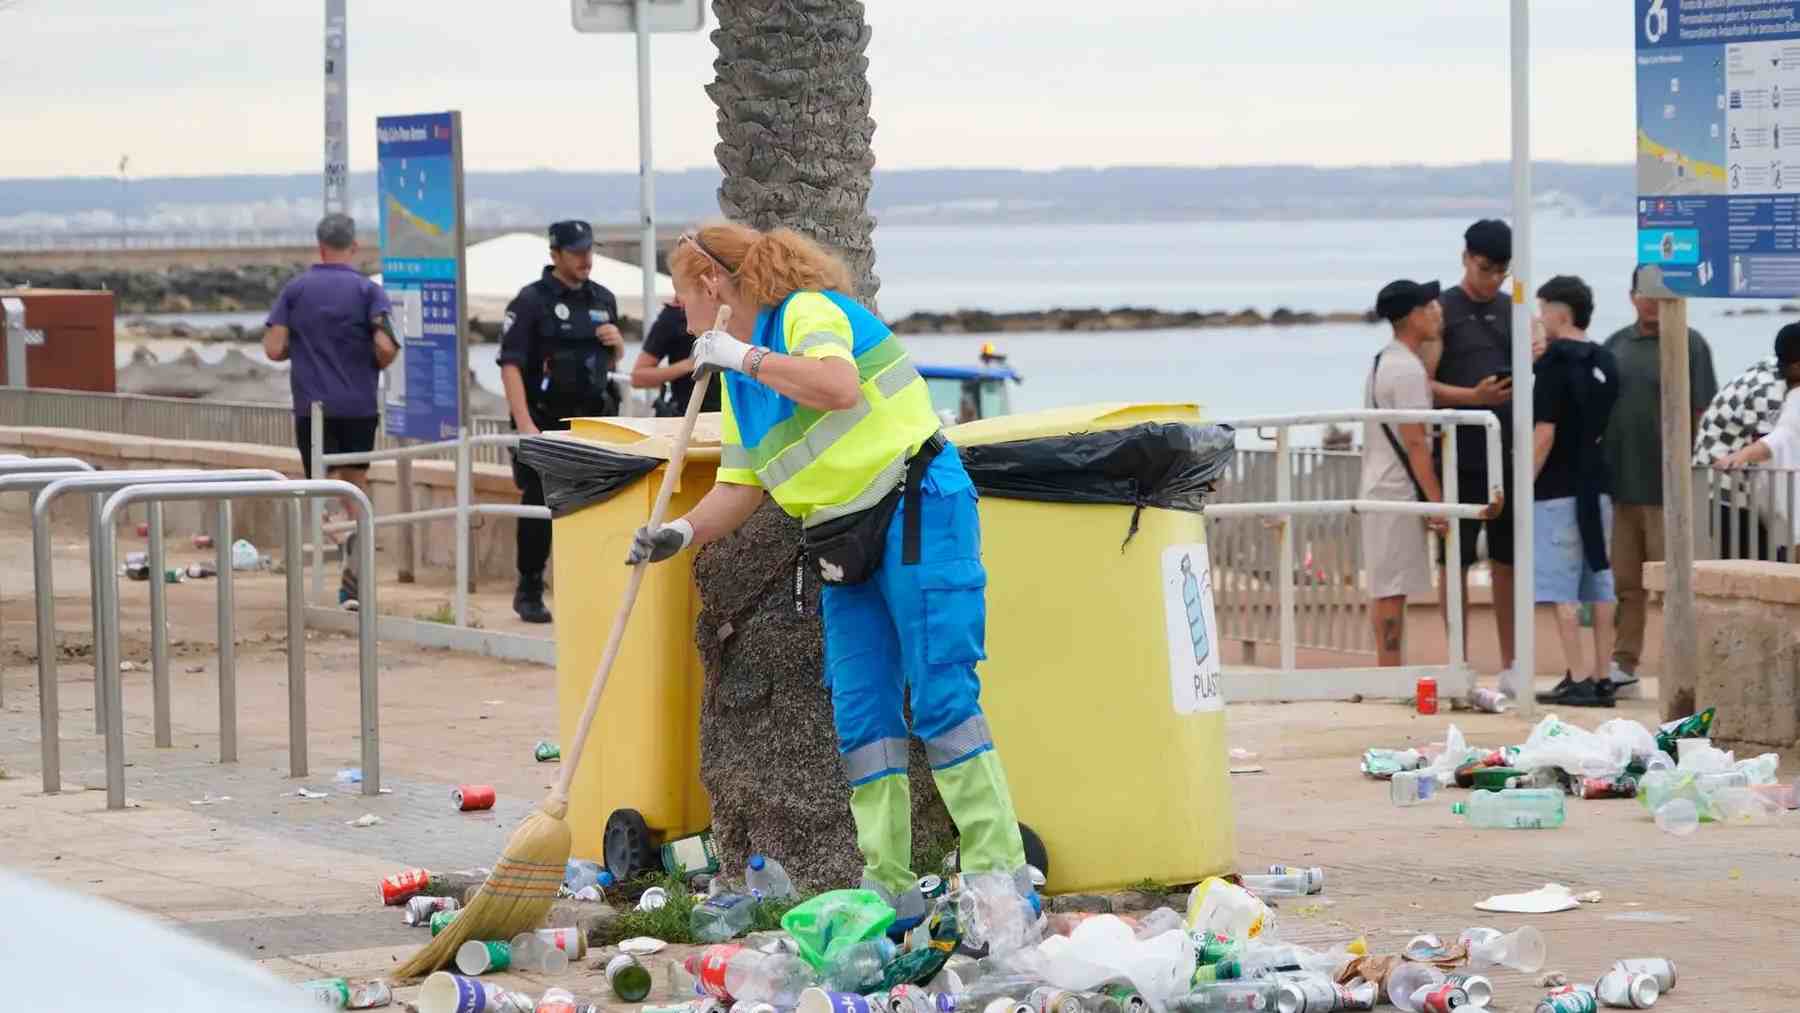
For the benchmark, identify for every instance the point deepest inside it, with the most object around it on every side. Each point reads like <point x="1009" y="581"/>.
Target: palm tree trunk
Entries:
<point x="792" y="89"/>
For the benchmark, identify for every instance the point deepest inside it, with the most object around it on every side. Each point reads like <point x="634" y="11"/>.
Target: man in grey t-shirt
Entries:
<point x="1396" y="463"/>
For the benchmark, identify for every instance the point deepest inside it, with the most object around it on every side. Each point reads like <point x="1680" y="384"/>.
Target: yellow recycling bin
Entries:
<point x="1101" y="684"/>
<point x="644" y="751"/>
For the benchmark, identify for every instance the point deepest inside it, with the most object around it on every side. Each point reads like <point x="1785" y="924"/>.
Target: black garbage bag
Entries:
<point x="1171" y="465"/>
<point x="578" y="474"/>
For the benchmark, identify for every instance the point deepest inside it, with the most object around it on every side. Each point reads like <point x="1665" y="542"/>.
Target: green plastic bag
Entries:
<point x="832" y="922"/>
<point x="922" y="965"/>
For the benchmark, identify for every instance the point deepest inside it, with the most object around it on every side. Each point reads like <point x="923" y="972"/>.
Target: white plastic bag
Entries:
<point x="244" y="555"/>
<point x="1555" y="743"/>
<point x="1630" y="734"/>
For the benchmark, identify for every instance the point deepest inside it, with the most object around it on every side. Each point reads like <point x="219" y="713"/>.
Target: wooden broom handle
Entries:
<point x="672" y="476"/>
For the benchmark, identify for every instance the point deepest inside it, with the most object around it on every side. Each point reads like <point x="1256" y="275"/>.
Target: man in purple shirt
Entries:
<point x="333" y="324"/>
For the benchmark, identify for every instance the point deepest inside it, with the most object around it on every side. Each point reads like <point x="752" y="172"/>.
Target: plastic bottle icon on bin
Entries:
<point x="1196" y="610"/>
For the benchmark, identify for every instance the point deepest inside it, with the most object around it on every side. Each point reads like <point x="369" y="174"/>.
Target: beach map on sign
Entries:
<point x="1718" y="138"/>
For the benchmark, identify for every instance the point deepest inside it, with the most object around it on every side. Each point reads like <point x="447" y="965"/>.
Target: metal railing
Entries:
<point x="51" y="488"/>
<point x="462" y="449"/>
<point x="180" y="418"/>
<point x="1241" y="584"/>
<point x="17" y="473"/>
<point x="295" y="493"/>
<point x="1748" y="514"/>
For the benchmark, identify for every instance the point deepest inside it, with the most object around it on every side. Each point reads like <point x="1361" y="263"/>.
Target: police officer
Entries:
<point x="558" y="344"/>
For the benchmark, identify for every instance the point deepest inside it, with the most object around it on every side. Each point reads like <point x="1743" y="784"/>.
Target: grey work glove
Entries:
<point x="653" y="545"/>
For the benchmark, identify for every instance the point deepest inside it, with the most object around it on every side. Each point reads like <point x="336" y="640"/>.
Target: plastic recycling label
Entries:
<point x="1193" y="629"/>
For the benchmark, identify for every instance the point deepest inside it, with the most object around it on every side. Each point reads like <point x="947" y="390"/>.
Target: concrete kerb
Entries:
<point x="296" y="493"/>
<point x="48" y="489"/>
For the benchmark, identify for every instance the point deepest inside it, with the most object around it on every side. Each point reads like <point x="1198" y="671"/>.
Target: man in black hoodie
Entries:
<point x="1575" y="383"/>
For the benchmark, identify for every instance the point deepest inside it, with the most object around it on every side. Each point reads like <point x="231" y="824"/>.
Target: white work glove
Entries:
<point x="720" y="350"/>
<point x="657" y="544"/>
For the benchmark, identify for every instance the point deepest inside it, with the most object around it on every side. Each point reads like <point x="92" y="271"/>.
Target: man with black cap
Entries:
<point x="559" y="343"/>
<point x="1476" y="372"/>
<point x="1396" y="463"/>
<point x="1634" y="449"/>
<point x="1781" y="447"/>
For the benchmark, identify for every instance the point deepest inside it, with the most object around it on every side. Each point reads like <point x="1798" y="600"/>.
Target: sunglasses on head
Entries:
<point x="694" y="238"/>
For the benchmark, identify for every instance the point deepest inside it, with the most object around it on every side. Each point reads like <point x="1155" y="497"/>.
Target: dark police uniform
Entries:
<point x="550" y="334"/>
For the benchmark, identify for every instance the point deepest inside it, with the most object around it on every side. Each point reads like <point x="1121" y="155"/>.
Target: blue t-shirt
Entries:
<point x="329" y="312"/>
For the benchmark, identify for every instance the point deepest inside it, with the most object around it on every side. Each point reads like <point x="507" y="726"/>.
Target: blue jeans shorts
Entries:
<point x="1560" y="570"/>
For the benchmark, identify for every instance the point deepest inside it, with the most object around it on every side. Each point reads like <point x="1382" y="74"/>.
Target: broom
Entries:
<point x="517" y="895"/>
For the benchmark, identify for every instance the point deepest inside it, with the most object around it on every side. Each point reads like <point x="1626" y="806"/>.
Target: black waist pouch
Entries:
<point x="849" y="549"/>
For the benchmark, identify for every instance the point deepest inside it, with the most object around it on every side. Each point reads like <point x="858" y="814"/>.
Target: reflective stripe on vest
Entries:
<point x="824" y="464"/>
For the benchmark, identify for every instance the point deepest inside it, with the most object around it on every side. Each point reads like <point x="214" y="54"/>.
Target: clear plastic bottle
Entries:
<point x="1522" y="949"/>
<point x="721" y="917"/>
<point x="1229" y="997"/>
<point x="582" y="873"/>
<point x="858" y="968"/>
<point x="767" y="880"/>
<point x="1163" y="919"/>
<point x="1514" y="809"/>
<point x="1410" y="787"/>
<point x="729" y="973"/>
<point x="1297" y="883"/>
<point x="992" y="913"/>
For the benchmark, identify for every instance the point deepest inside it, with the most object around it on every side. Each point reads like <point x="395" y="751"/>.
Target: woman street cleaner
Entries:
<point x="824" y="411"/>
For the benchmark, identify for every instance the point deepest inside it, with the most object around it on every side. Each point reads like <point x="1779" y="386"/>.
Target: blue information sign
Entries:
<point x="420" y="174"/>
<point x="1718" y="146"/>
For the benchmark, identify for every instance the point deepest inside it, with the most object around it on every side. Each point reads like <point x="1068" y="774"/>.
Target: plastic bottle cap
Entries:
<point x="606" y="878"/>
<point x="757" y="862"/>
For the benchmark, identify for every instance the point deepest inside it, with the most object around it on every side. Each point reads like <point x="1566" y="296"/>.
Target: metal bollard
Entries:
<point x="159" y="628"/>
<point x="296" y="641"/>
<point x="228" y="749"/>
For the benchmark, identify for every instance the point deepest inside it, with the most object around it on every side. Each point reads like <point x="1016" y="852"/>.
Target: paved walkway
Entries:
<point x="285" y="880"/>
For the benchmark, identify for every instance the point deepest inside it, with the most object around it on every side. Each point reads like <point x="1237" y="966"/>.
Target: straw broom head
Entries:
<point x="518" y="893"/>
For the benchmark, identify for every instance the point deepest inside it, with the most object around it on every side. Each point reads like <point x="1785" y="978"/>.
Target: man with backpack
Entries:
<point x="1396" y="463"/>
<point x="1574" y="385"/>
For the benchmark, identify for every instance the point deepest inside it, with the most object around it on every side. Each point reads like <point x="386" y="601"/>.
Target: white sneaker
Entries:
<point x="1511" y="683"/>
<point x="1625" y="685"/>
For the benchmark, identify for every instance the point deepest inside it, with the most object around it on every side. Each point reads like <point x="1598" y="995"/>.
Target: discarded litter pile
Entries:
<point x="1676" y="773"/>
<point x="985" y="949"/>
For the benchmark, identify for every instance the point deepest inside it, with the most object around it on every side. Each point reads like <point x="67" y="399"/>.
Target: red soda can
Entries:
<point x="473" y="797"/>
<point x="1427" y="695"/>
<point x="1444" y="998"/>
<point x="1622" y="786"/>
<point x="397" y="888"/>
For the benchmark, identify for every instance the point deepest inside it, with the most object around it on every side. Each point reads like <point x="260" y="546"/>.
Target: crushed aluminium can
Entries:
<point x="397" y="888"/>
<point x="1622" y="989"/>
<point x="1127" y="997"/>
<point x="1656" y="967"/>
<point x="1443" y="998"/>
<point x="1606" y="787"/>
<point x="442" y="919"/>
<point x="333" y="993"/>
<point x="420" y="909"/>
<point x="1572" y="1000"/>
<point x="1478" y="987"/>
<point x="1054" y="1000"/>
<point x="545" y="751"/>
<point x="473" y="797"/>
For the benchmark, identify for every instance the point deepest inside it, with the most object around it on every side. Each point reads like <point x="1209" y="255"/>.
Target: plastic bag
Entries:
<point x="1555" y="743"/>
<point x="1220" y="908"/>
<point x="1631" y="735"/>
<point x="579" y="474"/>
<point x="244" y="555"/>
<point x="1105" y="948"/>
<point x="1759" y="769"/>
<point x="1172" y="465"/>
<point x="833" y="922"/>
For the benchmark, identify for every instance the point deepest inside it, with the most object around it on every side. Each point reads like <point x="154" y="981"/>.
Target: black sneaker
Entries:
<point x="1587" y="693"/>
<point x="528" y="600"/>
<point x="1560" y="691"/>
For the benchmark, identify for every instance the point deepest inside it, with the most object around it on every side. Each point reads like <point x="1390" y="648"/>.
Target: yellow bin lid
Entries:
<point x="648" y="437"/>
<point x="1089" y="418"/>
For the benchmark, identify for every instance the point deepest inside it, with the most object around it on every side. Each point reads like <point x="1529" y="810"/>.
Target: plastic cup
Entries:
<point x="1678" y="816"/>
<point x="444" y="992"/>
<point x="479" y="956"/>
<point x="1410" y="982"/>
<point x="817" y="1000"/>
<point x="1686" y="747"/>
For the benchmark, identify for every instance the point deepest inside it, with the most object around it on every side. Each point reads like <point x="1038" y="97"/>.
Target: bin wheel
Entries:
<point x="629" y="849"/>
<point x="1035" y="854"/>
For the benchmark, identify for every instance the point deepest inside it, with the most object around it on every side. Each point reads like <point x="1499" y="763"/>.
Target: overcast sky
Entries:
<point x="233" y="86"/>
